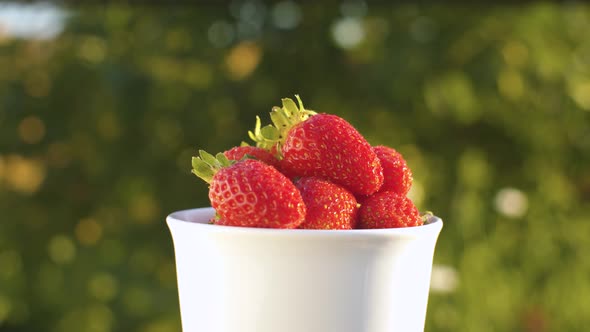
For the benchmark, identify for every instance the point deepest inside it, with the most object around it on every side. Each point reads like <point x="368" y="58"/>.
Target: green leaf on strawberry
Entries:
<point x="206" y="165"/>
<point x="265" y="137"/>
<point x="283" y="119"/>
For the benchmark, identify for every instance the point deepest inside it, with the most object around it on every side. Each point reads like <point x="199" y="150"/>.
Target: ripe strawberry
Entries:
<point x="396" y="173"/>
<point x="388" y="210"/>
<point x="321" y="145"/>
<point x="239" y="152"/>
<point x="328" y="146"/>
<point x="249" y="193"/>
<point x="328" y="205"/>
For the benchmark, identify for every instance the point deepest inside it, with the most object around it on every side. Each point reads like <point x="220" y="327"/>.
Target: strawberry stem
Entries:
<point x="426" y="217"/>
<point x="283" y="119"/>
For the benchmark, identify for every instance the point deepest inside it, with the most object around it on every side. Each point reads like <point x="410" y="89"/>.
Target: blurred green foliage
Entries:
<point x="489" y="105"/>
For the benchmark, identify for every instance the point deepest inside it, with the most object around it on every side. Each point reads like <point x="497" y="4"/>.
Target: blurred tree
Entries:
<point x="490" y="106"/>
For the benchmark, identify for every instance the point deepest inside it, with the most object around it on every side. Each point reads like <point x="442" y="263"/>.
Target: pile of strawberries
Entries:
<point x="308" y="170"/>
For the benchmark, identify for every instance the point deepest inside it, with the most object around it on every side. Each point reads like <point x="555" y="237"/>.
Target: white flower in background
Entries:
<point x="444" y="279"/>
<point x="348" y="32"/>
<point x="511" y="202"/>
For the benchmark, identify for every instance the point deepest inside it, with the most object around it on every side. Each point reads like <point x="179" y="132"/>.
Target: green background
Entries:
<point x="489" y="105"/>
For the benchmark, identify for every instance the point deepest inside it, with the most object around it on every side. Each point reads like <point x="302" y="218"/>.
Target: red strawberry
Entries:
<point x="388" y="210"/>
<point x="238" y="152"/>
<point x="328" y="205"/>
<point x="250" y="193"/>
<point x="396" y="173"/>
<point x="322" y="145"/>
<point x="327" y="146"/>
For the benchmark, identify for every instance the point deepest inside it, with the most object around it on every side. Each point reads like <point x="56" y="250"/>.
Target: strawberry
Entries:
<point x="388" y="209"/>
<point x="396" y="173"/>
<point x="328" y="205"/>
<point x="322" y="145"/>
<point x="327" y="146"/>
<point x="239" y="152"/>
<point x="249" y="193"/>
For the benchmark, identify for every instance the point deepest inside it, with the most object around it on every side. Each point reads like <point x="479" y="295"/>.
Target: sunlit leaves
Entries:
<point x="490" y="106"/>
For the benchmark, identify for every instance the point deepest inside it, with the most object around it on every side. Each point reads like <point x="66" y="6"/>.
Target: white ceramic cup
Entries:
<point x="235" y="279"/>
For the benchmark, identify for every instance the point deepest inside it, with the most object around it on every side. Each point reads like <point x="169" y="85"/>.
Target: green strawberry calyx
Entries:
<point x="264" y="137"/>
<point x="206" y="165"/>
<point x="283" y="119"/>
<point x="426" y="217"/>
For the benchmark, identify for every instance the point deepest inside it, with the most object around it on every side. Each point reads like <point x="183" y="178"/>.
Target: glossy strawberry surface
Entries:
<point x="239" y="152"/>
<point x="388" y="210"/>
<point x="251" y="193"/>
<point x="329" y="206"/>
<point x="328" y="146"/>
<point x="396" y="173"/>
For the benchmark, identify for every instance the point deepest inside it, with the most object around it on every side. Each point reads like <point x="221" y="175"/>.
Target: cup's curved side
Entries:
<point x="253" y="281"/>
<point x="410" y="283"/>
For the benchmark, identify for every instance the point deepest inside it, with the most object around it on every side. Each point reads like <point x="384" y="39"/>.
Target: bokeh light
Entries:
<point x="444" y="279"/>
<point x="242" y="60"/>
<point x="31" y="129"/>
<point x="348" y="32"/>
<point x="103" y="287"/>
<point x="42" y="20"/>
<point x="221" y="33"/>
<point x="511" y="202"/>
<point x="23" y="175"/>
<point x="286" y="14"/>
<point x="88" y="232"/>
<point x="61" y="249"/>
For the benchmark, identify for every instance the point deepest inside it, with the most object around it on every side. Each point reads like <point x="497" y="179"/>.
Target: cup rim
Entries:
<point x="187" y="218"/>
